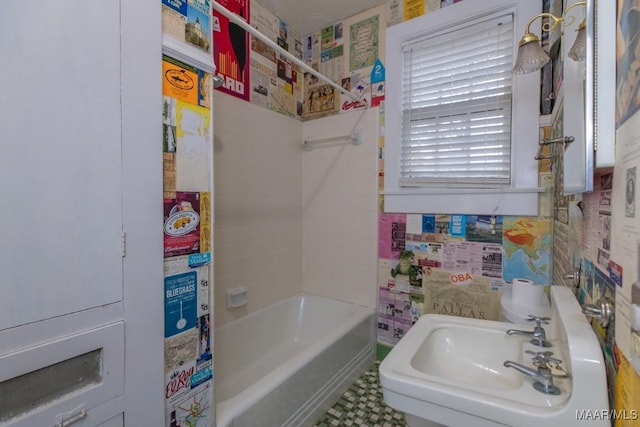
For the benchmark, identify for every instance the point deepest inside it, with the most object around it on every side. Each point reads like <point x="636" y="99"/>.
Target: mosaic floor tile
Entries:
<point x="362" y="406"/>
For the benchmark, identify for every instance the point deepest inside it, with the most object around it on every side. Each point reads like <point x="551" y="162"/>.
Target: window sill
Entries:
<point x="467" y="201"/>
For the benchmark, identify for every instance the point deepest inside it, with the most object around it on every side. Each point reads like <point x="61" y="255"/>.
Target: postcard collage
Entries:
<point x="453" y="264"/>
<point x="186" y="147"/>
<point x="255" y="71"/>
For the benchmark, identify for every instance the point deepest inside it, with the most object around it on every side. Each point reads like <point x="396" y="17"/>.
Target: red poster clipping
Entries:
<point x="231" y="49"/>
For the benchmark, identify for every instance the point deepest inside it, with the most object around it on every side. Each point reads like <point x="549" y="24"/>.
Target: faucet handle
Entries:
<point x="539" y="320"/>
<point x="544" y="357"/>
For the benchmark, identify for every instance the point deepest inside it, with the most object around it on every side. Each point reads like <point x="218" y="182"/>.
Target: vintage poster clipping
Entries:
<point x="205" y="222"/>
<point x="179" y="81"/>
<point x="193" y="409"/>
<point x="461" y="294"/>
<point x="414" y="8"/>
<point x="320" y="99"/>
<point x="625" y="240"/>
<point x="186" y="147"/>
<point x="360" y="89"/>
<point x="182" y="224"/>
<point x="276" y="83"/>
<point x="628" y="61"/>
<point x="184" y="83"/>
<point x="324" y="51"/>
<point x="169" y="143"/>
<point x="395" y="12"/>
<point x="397" y="312"/>
<point x="188" y="355"/>
<point x="188" y="22"/>
<point x="597" y="220"/>
<point x="377" y="83"/>
<point x="627" y="390"/>
<point x="263" y="56"/>
<point x="231" y="49"/>
<point x="192" y="147"/>
<point x="364" y="40"/>
<point x="391" y="235"/>
<point x="332" y="57"/>
<point x="186" y="121"/>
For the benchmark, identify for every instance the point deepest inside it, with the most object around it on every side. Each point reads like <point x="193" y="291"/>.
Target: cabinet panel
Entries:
<point x="74" y="376"/>
<point x="114" y="422"/>
<point x="61" y="161"/>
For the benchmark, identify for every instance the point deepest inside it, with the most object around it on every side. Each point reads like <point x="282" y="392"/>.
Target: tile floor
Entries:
<point x="362" y="406"/>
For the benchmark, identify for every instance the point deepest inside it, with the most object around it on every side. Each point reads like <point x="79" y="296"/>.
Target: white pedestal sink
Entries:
<point x="448" y="371"/>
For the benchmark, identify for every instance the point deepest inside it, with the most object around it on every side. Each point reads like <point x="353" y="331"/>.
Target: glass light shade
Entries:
<point x="579" y="49"/>
<point x="531" y="56"/>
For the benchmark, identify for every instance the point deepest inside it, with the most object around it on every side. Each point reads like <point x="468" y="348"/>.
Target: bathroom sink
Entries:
<point x="458" y="350"/>
<point x="450" y="371"/>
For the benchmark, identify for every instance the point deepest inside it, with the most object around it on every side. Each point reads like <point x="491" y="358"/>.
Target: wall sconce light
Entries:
<point x="579" y="49"/>
<point x="532" y="57"/>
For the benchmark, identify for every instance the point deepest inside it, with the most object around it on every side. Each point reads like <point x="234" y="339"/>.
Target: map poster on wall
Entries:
<point x="527" y="246"/>
<point x="231" y="49"/>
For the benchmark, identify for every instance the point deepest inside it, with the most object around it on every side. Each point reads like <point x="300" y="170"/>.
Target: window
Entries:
<point x="461" y="130"/>
<point x="456" y="111"/>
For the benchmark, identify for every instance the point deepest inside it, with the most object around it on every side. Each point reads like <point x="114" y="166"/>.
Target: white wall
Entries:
<point x="258" y="215"/>
<point x="288" y="220"/>
<point x="339" y="204"/>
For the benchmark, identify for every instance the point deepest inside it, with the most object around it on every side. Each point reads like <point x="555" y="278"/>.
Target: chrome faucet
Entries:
<point x="538" y="335"/>
<point x="542" y="375"/>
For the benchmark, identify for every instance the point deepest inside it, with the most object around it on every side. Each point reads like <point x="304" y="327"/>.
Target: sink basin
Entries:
<point x="457" y="350"/>
<point x="448" y="371"/>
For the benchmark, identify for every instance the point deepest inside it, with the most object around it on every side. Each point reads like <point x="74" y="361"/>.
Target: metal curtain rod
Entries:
<point x="235" y="18"/>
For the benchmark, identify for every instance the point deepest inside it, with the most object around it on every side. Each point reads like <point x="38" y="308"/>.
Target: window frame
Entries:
<point x="521" y="196"/>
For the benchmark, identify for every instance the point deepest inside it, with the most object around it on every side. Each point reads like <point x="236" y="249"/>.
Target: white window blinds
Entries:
<point x="456" y="106"/>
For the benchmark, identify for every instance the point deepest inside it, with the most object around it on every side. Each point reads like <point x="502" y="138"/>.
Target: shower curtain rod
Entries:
<point x="236" y="19"/>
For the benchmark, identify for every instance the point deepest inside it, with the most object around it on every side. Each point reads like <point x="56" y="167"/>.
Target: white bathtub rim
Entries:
<point x="227" y="409"/>
<point x="299" y="295"/>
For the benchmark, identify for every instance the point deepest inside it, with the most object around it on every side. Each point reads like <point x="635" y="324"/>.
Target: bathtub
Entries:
<point x="286" y="364"/>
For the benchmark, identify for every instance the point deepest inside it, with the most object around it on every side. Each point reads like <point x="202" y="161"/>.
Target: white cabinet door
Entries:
<point x="61" y="158"/>
<point x="79" y="113"/>
<point x="76" y="379"/>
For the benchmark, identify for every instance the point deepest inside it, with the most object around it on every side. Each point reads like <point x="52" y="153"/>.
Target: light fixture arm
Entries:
<point x="557" y="20"/>
<point x="547" y="26"/>
<point x="571" y="6"/>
